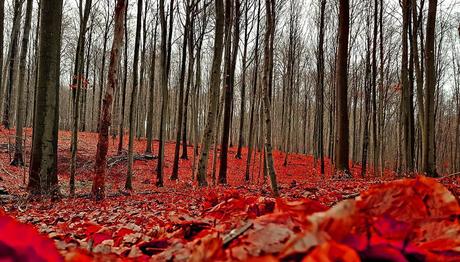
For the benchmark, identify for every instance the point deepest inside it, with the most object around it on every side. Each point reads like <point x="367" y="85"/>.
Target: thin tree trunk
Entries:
<point x="429" y="161"/>
<point x="267" y="80"/>
<point x="151" y="93"/>
<point x="132" y="105"/>
<point x="253" y="96"/>
<point x="12" y="62"/>
<point x="77" y="85"/>
<point x="121" y="132"/>
<point x="320" y="88"/>
<point x="18" y="158"/>
<point x="232" y="13"/>
<point x="180" y="109"/>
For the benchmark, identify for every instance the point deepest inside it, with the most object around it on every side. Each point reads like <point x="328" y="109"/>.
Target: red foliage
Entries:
<point x="405" y="220"/>
<point x="20" y="242"/>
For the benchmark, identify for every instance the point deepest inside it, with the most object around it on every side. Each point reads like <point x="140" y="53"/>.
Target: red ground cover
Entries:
<point x="315" y="219"/>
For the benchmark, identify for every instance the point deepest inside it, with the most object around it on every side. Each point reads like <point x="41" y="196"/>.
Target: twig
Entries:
<point x="235" y="233"/>
<point x="447" y="176"/>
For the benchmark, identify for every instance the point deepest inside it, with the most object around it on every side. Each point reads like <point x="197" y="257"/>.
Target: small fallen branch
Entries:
<point x="123" y="157"/>
<point x="447" y="176"/>
<point x="235" y="233"/>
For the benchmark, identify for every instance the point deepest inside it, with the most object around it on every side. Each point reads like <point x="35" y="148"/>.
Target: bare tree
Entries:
<point x="43" y="163"/>
<point x="429" y="161"/>
<point x="132" y="105"/>
<point x="180" y="106"/>
<point x="213" y="93"/>
<point x="165" y="65"/>
<point x="149" y="130"/>
<point x="77" y="85"/>
<point x="98" y="190"/>
<point x="18" y="158"/>
<point x="320" y="88"/>
<point x="268" y="74"/>
<point x="341" y="141"/>
<point x="12" y="62"/>
<point x="231" y="52"/>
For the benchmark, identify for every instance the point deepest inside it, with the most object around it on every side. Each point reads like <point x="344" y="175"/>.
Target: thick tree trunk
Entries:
<point x="106" y="117"/>
<point x="43" y="163"/>
<point x="341" y="141"/>
<point x="213" y="93"/>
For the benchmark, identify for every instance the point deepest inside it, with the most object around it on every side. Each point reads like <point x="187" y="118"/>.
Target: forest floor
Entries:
<point x="391" y="219"/>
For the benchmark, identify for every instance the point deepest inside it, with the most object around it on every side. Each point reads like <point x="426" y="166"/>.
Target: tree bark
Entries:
<point x="320" y="88"/>
<point x="77" y="85"/>
<point x="12" y="62"/>
<point x="253" y="96"/>
<point x="213" y="93"/>
<point x="151" y="93"/>
<point x="132" y="105"/>
<point x="268" y="75"/>
<point x="43" y="178"/>
<point x="106" y="117"/>
<point x="341" y="141"/>
<point x="231" y="53"/>
<point x="121" y="132"/>
<point x="429" y="161"/>
<point x="180" y="106"/>
<point x="18" y="157"/>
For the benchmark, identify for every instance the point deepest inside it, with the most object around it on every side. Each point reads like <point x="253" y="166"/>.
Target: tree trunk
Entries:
<point x="18" y="158"/>
<point x="2" y="25"/>
<point x="253" y="96"/>
<point x="180" y="106"/>
<point x="101" y="74"/>
<point x="214" y="85"/>
<point x="231" y="53"/>
<point x="429" y="161"/>
<point x="106" y="117"/>
<point x="268" y="75"/>
<point x="132" y="105"/>
<point x="341" y="141"/>
<point x="77" y="85"/>
<point x="43" y="163"/>
<point x="320" y="88"/>
<point x="165" y="62"/>
<point x="12" y="62"/>
<point x="151" y="93"/>
<point x="121" y="132"/>
<point x="243" y="81"/>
